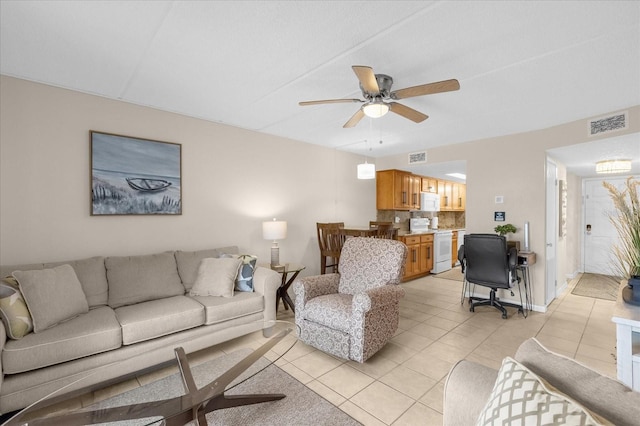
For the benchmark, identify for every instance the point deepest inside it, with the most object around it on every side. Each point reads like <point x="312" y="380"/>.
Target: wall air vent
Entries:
<point x="612" y="123"/>
<point x="418" y="157"/>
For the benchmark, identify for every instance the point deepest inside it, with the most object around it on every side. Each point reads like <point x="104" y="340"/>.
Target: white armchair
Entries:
<point x="353" y="313"/>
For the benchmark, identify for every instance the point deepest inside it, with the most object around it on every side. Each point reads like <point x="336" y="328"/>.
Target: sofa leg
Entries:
<point x="268" y="332"/>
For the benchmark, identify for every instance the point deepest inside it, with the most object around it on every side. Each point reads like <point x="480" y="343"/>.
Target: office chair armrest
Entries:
<point x="307" y="288"/>
<point x="376" y="297"/>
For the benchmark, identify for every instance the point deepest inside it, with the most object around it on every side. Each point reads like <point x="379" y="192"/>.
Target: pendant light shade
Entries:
<point x="366" y="171"/>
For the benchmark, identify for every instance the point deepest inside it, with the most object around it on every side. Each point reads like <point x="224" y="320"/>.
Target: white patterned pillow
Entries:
<point x="13" y="309"/>
<point x="519" y="397"/>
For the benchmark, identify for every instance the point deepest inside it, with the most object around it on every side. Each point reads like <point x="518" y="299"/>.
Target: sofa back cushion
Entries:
<point x="603" y="395"/>
<point x="91" y="273"/>
<point x="189" y="262"/>
<point x="134" y="279"/>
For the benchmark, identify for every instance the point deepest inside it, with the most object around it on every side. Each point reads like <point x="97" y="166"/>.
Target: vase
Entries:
<point x="631" y="293"/>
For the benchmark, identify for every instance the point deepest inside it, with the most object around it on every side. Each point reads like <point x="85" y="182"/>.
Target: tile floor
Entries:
<point x="403" y="383"/>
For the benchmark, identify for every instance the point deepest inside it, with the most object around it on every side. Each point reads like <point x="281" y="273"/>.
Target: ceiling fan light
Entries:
<point x="613" y="166"/>
<point x="366" y="171"/>
<point x="375" y="109"/>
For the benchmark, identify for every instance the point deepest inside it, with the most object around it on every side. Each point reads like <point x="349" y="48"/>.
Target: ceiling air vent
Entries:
<point x="418" y="157"/>
<point x="612" y="123"/>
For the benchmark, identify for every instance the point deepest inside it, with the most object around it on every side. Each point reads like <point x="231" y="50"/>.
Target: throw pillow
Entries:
<point x="521" y="397"/>
<point x="244" y="280"/>
<point x="13" y="310"/>
<point x="52" y="295"/>
<point x="216" y="277"/>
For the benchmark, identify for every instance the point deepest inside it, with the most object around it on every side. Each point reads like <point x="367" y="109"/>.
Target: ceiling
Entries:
<point x="522" y="65"/>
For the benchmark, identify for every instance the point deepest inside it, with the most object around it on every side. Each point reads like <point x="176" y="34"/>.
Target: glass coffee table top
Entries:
<point x="175" y="399"/>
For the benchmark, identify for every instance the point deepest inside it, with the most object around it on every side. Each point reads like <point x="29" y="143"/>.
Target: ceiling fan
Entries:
<point x="376" y="90"/>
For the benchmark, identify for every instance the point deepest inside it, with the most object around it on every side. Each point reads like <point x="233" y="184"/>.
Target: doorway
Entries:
<point x="551" y="232"/>
<point x="599" y="235"/>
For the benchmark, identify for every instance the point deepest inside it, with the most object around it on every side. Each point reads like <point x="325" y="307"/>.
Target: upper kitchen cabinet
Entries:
<point x="397" y="190"/>
<point x="453" y="195"/>
<point x="429" y="184"/>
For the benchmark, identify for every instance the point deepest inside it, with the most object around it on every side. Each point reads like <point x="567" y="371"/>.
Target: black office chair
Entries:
<point x="486" y="261"/>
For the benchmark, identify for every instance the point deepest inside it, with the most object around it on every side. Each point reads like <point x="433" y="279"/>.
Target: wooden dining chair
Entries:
<point x="330" y="240"/>
<point x="386" y="230"/>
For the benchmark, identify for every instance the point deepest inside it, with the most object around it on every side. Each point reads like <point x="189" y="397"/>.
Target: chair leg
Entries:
<point x="323" y="265"/>
<point x="493" y="301"/>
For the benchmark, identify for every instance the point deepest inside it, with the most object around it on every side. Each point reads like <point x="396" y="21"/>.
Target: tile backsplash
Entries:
<point x="446" y="220"/>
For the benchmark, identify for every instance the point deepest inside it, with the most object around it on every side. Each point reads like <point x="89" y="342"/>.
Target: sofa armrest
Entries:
<point x="466" y="391"/>
<point x="376" y="297"/>
<point x="307" y="288"/>
<point x="266" y="282"/>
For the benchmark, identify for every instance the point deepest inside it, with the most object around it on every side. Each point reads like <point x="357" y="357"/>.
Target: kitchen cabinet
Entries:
<point x="454" y="248"/>
<point x="397" y="190"/>
<point x="428" y="184"/>
<point x="453" y="195"/>
<point x="419" y="255"/>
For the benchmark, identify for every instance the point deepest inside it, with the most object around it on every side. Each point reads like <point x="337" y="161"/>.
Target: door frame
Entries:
<point x="551" y="211"/>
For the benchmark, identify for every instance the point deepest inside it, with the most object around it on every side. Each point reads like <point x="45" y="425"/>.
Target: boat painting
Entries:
<point x="132" y="176"/>
<point x="148" y="185"/>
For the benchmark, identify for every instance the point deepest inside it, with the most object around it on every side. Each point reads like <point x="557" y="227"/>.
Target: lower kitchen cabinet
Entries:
<point x="419" y="256"/>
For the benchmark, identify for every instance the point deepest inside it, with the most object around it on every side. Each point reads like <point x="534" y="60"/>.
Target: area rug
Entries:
<point x="597" y="286"/>
<point x="301" y="406"/>
<point x="452" y="274"/>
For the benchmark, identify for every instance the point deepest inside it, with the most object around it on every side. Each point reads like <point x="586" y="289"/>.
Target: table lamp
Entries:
<point x="274" y="230"/>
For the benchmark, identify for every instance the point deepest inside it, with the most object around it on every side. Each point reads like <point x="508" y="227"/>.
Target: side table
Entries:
<point x="285" y="270"/>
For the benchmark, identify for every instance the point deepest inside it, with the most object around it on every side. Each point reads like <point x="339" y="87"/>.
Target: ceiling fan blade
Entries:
<point x="329" y="101"/>
<point x="427" y="89"/>
<point x="406" y="112"/>
<point x="355" y="119"/>
<point x="367" y="79"/>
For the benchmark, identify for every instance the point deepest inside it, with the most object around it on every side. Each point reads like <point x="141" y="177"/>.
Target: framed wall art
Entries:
<point x="133" y="176"/>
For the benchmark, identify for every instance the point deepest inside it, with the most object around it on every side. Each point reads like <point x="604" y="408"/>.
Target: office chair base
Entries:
<point x="493" y="301"/>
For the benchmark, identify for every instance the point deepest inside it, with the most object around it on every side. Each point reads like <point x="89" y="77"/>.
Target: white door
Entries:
<point x="599" y="234"/>
<point x="551" y="233"/>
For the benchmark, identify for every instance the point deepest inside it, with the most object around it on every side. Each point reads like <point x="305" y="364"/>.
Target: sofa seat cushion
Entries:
<point x="148" y="320"/>
<point x="331" y="310"/>
<point x="219" y="309"/>
<point x="93" y="332"/>
<point x="603" y="395"/>
<point x="135" y="279"/>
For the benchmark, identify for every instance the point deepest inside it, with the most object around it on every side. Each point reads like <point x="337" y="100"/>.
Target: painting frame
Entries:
<point x="134" y="176"/>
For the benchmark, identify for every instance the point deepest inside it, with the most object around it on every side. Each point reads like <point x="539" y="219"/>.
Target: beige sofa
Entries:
<point x="545" y="384"/>
<point x="138" y="309"/>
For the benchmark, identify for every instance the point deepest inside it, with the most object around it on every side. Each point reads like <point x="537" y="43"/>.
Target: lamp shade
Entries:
<point x="366" y="171"/>
<point x="613" y="166"/>
<point x="274" y="230"/>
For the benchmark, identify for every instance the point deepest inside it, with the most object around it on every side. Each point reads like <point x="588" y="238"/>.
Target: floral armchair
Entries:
<point x="353" y="313"/>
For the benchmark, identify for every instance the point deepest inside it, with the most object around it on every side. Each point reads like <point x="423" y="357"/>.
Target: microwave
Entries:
<point x="429" y="202"/>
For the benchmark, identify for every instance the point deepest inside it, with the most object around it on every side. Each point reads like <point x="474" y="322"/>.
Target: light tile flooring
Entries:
<point x="403" y="383"/>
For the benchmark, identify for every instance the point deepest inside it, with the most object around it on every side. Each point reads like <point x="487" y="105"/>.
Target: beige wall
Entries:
<point x="232" y="180"/>
<point x="514" y="167"/>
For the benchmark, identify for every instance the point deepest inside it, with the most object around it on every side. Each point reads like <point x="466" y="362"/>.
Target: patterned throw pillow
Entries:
<point x="520" y="397"/>
<point x="13" y="310"/>
<point x="244" y="280"/>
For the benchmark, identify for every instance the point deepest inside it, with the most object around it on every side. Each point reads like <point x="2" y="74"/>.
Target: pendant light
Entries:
<point x="367" y="170"/>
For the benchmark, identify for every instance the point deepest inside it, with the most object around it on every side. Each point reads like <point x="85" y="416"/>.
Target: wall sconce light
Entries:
<point x="274" y="230"/>
<point x="613" y="166"/>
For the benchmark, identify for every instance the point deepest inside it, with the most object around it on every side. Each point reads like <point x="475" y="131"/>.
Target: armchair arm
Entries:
<point x="307" y="288"/>
<point x="376" y="297"/>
